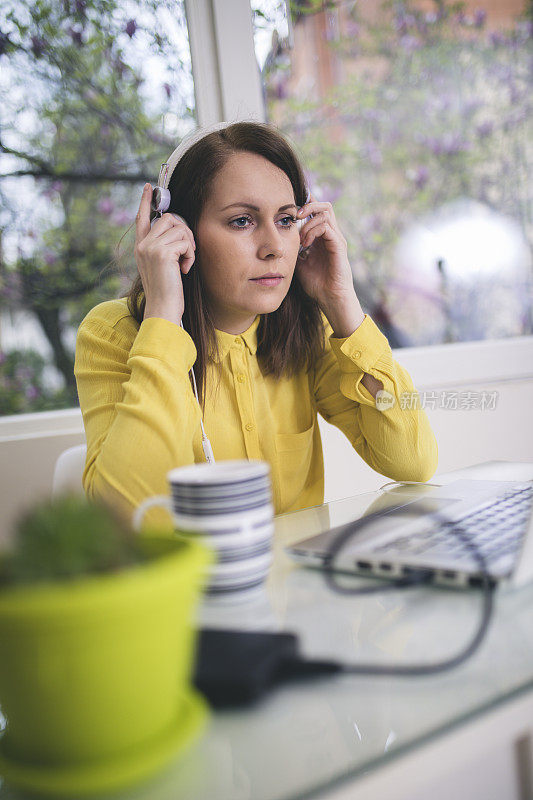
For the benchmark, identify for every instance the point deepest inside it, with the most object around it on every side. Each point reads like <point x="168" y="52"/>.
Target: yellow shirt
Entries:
<point x="141" y="417"/>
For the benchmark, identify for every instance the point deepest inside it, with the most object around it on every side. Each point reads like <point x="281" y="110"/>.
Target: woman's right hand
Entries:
<point x="162" y="252"/>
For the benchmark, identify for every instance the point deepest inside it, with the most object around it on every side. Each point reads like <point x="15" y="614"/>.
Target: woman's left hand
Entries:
<point x="324" y="272"/>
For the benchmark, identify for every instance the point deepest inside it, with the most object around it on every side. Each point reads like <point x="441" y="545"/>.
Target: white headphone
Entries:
<point x="161" y="195"/>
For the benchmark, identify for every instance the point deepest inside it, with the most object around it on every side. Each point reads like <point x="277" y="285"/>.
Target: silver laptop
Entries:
<point x="495" y="517"/>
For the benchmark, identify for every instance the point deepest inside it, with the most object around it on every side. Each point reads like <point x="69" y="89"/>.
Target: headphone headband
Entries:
<point x="187" y="142"/>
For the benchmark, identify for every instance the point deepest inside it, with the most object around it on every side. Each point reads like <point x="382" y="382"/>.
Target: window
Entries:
<point x="95" y="95"/>
<point x="414" y="119"/>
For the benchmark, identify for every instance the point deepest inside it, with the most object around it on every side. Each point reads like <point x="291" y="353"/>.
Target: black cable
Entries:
<point x="419" y="577"/>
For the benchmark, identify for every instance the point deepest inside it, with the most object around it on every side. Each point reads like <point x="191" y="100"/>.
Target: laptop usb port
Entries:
<point x="476" y="582"/>
<point x="385" y="566"/>
<point x="449" y="573"/>
<point x="364" y="564"/>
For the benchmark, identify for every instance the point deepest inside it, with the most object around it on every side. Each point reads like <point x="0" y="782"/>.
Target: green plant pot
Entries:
<point x="95" y="674"/>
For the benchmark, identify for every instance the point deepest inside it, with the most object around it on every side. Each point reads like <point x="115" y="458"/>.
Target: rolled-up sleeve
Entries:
<point x="395" y="439"/>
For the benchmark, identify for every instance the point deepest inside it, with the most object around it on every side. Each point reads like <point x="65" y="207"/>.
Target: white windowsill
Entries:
<point x="460" y="364"/>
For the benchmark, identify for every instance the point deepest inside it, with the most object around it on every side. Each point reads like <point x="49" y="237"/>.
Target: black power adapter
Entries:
<point x="235" y="668"/>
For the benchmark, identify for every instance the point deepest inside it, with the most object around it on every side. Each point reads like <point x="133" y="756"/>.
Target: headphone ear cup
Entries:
<point x="160" y="199"/>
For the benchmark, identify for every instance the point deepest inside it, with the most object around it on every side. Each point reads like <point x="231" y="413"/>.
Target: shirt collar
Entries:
<point x="226" y="340"/>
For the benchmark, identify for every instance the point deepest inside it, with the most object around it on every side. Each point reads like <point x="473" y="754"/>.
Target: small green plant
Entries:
<point x="66" y="538"/>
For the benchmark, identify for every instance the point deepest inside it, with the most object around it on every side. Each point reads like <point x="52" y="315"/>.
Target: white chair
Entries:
<point x="68" y="470"/>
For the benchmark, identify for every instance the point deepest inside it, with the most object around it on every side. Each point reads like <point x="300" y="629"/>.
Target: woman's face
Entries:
<point x="246" y="231"/>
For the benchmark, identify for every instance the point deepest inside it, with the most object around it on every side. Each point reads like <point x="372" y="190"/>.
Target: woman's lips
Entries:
<point x="268" y="281"/>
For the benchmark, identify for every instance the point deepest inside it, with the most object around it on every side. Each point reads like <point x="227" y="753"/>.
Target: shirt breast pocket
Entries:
<point x="294" y="452"/>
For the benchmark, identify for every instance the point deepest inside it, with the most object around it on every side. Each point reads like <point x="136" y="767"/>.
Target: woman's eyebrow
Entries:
<point x="256" y="208"/>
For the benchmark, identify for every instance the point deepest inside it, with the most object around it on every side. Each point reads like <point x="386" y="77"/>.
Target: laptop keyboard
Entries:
<point x="494" y="529"/>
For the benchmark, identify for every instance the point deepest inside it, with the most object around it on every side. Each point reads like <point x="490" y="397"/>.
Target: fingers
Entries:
<point x="171" y="222"/>
<point x="313" y="232"/>
<point x="178" y="234"/>
<point x="314" y="207"/>
<point x="179" y="243"/>
<point x="142" y="220"/>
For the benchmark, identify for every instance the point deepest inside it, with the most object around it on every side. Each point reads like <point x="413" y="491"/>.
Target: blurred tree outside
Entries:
<point x="94" y="95"/>
<point x="432" y="106"/>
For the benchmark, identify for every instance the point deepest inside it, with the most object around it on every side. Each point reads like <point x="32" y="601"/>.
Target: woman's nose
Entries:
<point x="271" y="241"/>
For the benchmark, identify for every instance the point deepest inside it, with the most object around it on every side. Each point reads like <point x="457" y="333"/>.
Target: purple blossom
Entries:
<point x="38" y="46"/>
<point x="120" y="67"/>
<point x="50" y="259"/>
<point x="76" y="36"/>
<point x="514" y="93"/>
<point x="410" y="43"/>
<point x="23" y="374"/>
<point x="496" y="38"/>
<point x="280" y="89"/>
<point x="331" y="193"/>
<point x="372" y="114"/>
<point x="168" y="89"/>
<point x="373" y="153"/>
<point x="524" y="29"/>
<point x="81" y="7"/>
<point x="480" y="16"/>
<point x="449" y="144"/>
<point x="54" y="188"/>
<point x="105" y="206"/>
<point x="485" y="129"/>
<point x="431" y="17"/>
<point x="516" y="116"/>
<point x="310" y="180"/>
<point x="422" y="26"/>
<point x="353" y="29"/>
<point x="371" y="223"/>
<point x="121" y="218"/>
<point x="472" y="105"/>
<point x="130" y="28"/>
<point x="419" y="176"/>
<point x="11" y="290"/>
<point x="403" y="22"/>
<point x="460" y="17"/>
<point x="4" y="41"/>
<point x="32" y="392"/>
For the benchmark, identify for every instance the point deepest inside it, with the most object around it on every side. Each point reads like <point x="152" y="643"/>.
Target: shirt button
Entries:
<point x="241" y="378"/>
<point x="249" y="426"/>
<point x="357" y="354"/>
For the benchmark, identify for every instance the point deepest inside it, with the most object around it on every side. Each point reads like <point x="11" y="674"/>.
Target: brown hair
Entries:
<point x="288" y="339"/>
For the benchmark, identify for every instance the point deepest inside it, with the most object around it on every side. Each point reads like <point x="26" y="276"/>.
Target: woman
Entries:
<point x="274" y="337"/>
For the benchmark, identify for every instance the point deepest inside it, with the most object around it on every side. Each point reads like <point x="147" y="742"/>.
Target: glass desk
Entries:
<point x="331" y="737"/>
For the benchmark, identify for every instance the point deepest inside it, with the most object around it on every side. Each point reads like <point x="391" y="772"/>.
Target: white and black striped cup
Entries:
<point x="228" y="506"/>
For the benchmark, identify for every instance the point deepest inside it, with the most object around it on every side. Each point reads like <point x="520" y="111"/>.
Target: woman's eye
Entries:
<point x="292" y="220"/>
<point x="240" y="219"/>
